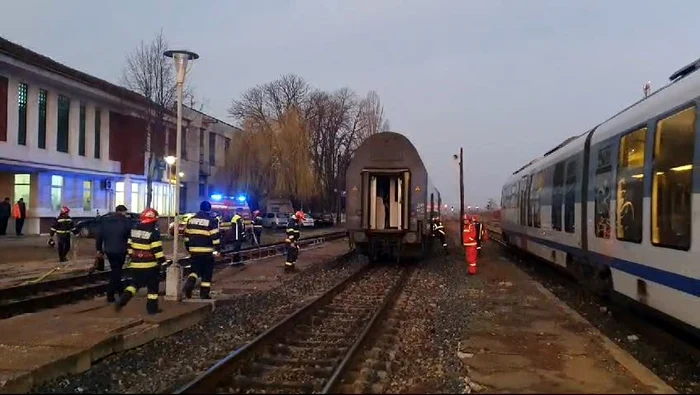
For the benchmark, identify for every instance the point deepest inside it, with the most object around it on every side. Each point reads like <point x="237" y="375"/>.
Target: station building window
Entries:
<point x="63" y="129"/>
<point x="98" y="137"/>
<point x="87" y="195"/>
<point x="674" y="149"/>
<point x="22" y="92"/>
<point x="43" y="99"/>
<point x="630" y="186"/>
<point x="136" y="205"/>
<point x="22" y="188"/>
<point x="81" y="131"/>
<point x="119" y="194"/>
<point x="56" y="192"/>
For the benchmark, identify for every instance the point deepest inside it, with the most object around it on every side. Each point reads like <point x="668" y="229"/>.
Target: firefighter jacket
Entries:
<point x="469" y="236"/>
<point x="224" y="226"/>
<point x="112" y="236"/>
<point x="202" y="234"/>
<point x="62" y="225"/>
<point x="257" y="223"/>
<point x="438" y="228"/>
<point x="293" y="233"/>
<point x="145" y="247"/>
<point x="237" y="227"/>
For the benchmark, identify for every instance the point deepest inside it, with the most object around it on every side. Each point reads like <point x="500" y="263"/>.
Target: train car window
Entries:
<point x="630" y="186"/>
<point x="570" y="196"/>
<point x="603" y="192"/>
<point x="531" y="201"/>
<point x="557" y="195"/>
<point x="671" y="197"/>
<point x="537" y="190"/>
<point x="523" y="201"/>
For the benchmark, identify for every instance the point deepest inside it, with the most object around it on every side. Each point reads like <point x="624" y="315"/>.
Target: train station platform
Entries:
<point x="520" y="338"/>
<point x="40" y="346"/>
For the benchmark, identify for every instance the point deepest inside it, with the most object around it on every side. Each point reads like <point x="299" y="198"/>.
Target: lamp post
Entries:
<point x="173" y="279"/>
<point x="169" y="162"/>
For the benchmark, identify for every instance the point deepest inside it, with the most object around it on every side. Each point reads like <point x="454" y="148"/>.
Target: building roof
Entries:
<point x="210" y="118"/>
<point x="28" y="56"/>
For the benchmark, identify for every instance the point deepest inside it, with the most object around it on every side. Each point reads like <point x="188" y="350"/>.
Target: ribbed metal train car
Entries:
<point x="390" y="199"/>
<point x="617" y="206"/>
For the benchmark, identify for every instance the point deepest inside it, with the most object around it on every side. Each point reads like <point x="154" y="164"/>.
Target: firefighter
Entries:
<point x="63" y="227"/>
<point x="257" y="227"/>
<point x="224" y="228"/>
<point x="237" y="236"/>
<point x="293" y="236"/>
<point x="469" y="243"/>
<point x="479" y="226"/>
<point x="439" y="231"/>
<point x="146" y="256"/>
<point x="202" y="240"/>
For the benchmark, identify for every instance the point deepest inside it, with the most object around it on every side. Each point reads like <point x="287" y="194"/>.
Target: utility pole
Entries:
<point x="461" y="191"/>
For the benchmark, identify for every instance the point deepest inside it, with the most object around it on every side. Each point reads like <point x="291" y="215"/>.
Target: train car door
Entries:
<point x="373" y="202"/>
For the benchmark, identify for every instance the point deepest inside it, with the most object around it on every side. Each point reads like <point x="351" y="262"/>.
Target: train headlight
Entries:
<point x="359" y="237"/>
<point x="410" y="237"/>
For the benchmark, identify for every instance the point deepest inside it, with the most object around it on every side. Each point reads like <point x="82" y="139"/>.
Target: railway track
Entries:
<point x="46" y="294"/>
<point x="315" y="347"/>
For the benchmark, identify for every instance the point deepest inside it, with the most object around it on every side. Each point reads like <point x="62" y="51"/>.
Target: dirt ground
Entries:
<point x="28" y="258"/>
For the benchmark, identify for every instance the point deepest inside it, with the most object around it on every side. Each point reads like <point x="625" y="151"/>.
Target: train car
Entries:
<point x="617" y="205"/>
<point x="390" y="199"/>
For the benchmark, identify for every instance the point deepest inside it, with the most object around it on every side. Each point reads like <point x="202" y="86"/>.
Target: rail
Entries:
<point x="36" y="296"/>
<point x="340" y="308"/>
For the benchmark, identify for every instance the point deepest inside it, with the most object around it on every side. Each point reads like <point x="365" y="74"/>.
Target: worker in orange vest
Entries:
<point x="469" y="242"/>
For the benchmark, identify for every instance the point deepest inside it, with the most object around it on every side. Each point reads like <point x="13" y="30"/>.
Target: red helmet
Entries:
<point x="149" y="215"/>
<point x="65" y="210"/>
<point x="299" y="215"/>
<point x="256" y="213"/>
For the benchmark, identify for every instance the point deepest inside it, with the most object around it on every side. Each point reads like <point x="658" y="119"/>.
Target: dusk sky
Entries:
<point x="507" y="80"/>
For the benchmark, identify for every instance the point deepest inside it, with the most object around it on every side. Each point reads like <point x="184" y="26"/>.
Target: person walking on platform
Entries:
<point x="112" y="239"/>
<point x="5" y="213"/>
<point x="63" y="227"/>
<point x="469" y="243"/>
<point x="19" y="212"/>
<point x="293" y="236"/>
<point x="257" y="228"/>
<point x="439" y="232"/>
<point x="202" y="240"/>
<point x="237" y="235"/>
<point x="147" y="256"/>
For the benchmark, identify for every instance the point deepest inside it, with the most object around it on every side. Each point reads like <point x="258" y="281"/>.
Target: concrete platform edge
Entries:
<point x="639" y="371"/>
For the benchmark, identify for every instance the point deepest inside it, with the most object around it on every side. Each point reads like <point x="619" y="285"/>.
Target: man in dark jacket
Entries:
<point x="112" y="239"/>
<point x="5" y="213"/>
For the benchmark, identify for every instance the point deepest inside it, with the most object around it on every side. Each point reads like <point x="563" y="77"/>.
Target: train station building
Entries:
<point x="71" y="139"/>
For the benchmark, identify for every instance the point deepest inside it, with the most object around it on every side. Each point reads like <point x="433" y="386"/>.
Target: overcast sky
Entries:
<point x="507" y="80"/>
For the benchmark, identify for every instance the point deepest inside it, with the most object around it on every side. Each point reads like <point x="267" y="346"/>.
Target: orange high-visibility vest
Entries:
<point x="469" y="236"/>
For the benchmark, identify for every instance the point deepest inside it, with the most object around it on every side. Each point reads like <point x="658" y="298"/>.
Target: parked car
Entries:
<point x="275" y="220"/>
<point x="87" y="227"/>
<point x="308" y="221"/>
<point x="324" y="219"/>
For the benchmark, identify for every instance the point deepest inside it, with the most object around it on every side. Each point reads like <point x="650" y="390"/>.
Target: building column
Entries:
<point x="90" y="130"/>
<point x="33" y="116"/>
<point x="52" y="121"/>
<point x="12" y="111"/>
<point x="74" y="127"/>
<point x="104" y="135"/>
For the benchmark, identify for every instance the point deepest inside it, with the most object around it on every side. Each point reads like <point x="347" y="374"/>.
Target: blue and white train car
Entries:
<point x="616" y="206"/>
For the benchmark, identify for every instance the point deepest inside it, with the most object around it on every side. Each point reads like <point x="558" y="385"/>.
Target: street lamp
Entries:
<point x="460" y="159"/>
<point x="169" y="162"/>
<point x="173" y="279"/>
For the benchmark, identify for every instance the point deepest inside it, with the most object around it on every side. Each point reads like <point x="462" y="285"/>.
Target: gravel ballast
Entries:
<point x="168" y="363"/>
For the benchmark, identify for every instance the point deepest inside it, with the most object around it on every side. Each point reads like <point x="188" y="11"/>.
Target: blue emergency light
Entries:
<point x="241" y="198"/>
<point x="216" y="197"/>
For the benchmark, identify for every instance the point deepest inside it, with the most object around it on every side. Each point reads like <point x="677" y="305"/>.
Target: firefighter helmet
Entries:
<point x="65" y="210"/>
<point x="299" y="215"/>
<point x="149" y="215"/>
<point x="256" y="213"/>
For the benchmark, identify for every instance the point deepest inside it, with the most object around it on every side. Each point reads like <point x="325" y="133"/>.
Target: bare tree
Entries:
<point x="152" y="75"/>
